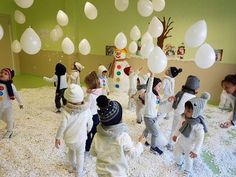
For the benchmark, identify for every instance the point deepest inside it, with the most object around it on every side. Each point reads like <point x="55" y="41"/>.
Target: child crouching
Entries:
<point x="112" y="143"/>
<point x="76" y="124"/>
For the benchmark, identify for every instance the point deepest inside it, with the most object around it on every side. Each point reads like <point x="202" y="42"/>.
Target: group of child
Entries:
<point x="94" y="122"/>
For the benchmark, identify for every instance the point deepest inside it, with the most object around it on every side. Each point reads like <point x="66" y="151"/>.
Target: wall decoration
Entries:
<point x="219" y="54"/>
<point x="181" y="51"/>
<point x="166" y="29"/>
<point x="170" y="50"/>
<point x="110" y="50"/>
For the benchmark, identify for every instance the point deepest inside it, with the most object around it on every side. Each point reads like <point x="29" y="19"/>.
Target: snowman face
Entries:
<point x="4" y="76"/>
<point x="119" y="54"/>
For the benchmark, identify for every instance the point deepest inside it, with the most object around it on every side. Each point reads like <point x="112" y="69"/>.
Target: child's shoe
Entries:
<point x="58" y="110"/>
<point x="156" y="150"/>
<point x="8" y="135"/>
<point x="147" y="143"/>
<point x="186" y="173"/>
<point x="139" y="122"/>
<point x="72" y="169"/>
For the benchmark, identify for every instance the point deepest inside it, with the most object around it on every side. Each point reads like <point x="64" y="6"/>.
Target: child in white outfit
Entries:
<point x="169" y="83"/>
<point x="102" y="75"/>
<point x="61" y="84"/>
<point x="112" y="143"/>
<point x="133" y="76"/>
<point x="8" y="92"/>
<point x="190" y="133"/>
<point x="77" y="122"/>
<point x="75" y="72"/>
<point x="189" y="90"/>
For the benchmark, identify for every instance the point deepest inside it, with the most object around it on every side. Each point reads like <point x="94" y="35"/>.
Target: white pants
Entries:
<point x="6" y="116"/>
<point x="76" y="157"/>
<point x="175" y="123"/>
<point x="131" y="103"/>
<point x="182" y="156"/>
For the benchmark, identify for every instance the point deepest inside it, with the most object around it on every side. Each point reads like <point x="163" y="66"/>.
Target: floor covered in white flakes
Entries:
<point x="31" y="153"/>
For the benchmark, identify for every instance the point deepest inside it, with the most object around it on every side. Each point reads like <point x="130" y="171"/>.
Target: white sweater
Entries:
<point x="194" y="141"/>
<point x="75" y="126"/>
<point x="92" y="99"/>
<point x="74" y="77"/>
<point x="5" y="101"/>
<point x="150" y="109"/>
<point x="133" y="80"/>
<point x="104" y="85"/>
<point x="168" y="86"/>
<point x="63" y="82"/>
<point x="111" y="146"/>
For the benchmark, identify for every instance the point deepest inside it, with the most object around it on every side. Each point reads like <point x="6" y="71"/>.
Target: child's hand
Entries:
<point x="21" y="106"/>
<point x="171" y="98"/>
<point x="226" y="124"/>
<point x="44" y="78"/>
<point x="193" y="155"/>
<point x="108" y="93"/>
<point x="57" y="143"/>
<point x="141" y="139"/>
<point x="174" y="138"/>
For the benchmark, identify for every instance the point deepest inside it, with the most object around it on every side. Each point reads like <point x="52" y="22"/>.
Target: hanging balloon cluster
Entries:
<point x="195" y="36"/>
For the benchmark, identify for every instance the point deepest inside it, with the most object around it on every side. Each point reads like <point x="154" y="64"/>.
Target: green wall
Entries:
<point x="219" y="15"/>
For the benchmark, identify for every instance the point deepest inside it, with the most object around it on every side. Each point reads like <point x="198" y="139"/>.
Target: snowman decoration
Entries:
<point x="119" y="80"/>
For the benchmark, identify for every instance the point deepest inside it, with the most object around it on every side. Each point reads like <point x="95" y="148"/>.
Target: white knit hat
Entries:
<point x="74" y="93"/>
<point x="101" y="69"/>
<point x="79" y="66"/>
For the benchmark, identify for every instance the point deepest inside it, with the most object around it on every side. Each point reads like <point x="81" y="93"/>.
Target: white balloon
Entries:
<point x="120" y="41"/>
<point x="135" y="33"/>
<point x="155" y="27"/>
<point x="59" y="31"/>
<point x="62" y="18"/>
<point x="157" y="60"/>
<point x="19" y="17"/>
<point x="205" y="56"/>
<point x="133" y="47"/>
<point x="90" y="11"/>
<point x="121" y="5"/>
<point x="15" y="46"/>
<point x="145" y="8"/>
<point x="1" y="32"/>
<point x="146" y="38"/>
<point x="158" y="5"/>
<point x="30" y="41"/>
<point x="146" y="49"/>
<point x="24" y="3"/>
<point x="54" y="35"/>
<point x="84" y="47"/>
<point x="196" y="34"/>
<point x="67" y="46"/>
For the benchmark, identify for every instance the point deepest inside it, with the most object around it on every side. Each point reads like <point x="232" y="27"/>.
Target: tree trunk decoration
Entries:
<point x="166" y="29"/>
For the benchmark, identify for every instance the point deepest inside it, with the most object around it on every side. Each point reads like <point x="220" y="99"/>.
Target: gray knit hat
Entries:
<point x="199" y="104"/>
<point x="192" y="82"/>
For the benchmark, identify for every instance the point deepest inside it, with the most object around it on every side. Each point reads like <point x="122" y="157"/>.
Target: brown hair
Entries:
<point x="231" y="78"/>
<point x="92" y="81"/>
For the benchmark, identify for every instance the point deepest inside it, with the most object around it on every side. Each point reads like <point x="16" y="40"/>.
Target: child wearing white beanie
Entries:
<point x="76" y="123"/>
<point x="75" y="73"/>
<point x="102" y="75"/>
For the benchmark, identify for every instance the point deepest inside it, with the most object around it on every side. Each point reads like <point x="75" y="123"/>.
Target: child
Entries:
<point x="75" y="72"/>
<point x="169" y="83"/>
<point x="77" y="121"/>
<point x="152" y="99"/>
<point x="139" y="97"/>
<point x="93" y="90"/>
<point x="102" y="75"/>
<point x="112" y="143"/>
<point x="229" y="85"/>
<point x="226" y="101"/>
<point x="189" y="90"/>
<point x="133" y="76"/>
<point x="190" y="133"/>
<point x="60" y="79"/>
<point x="8" y="92"/>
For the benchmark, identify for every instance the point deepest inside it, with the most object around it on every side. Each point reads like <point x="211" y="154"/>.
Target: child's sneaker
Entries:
<point x="8" y="135"/>
<point x="139" y="122"/>
<point x="72" y="169"/>
<point x="58" y="110"/>
<point x="147" y="143"/>
<point x="156" y="150"/>
<point x="170" y="147"/>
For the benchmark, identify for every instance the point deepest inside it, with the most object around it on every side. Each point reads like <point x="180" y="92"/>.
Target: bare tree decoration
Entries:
<point x="166" y="29"/>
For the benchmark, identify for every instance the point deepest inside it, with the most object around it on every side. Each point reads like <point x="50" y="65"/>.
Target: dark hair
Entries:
<point x="92" y="80"/>
<point x="188" y="105"/>
<point x="231" y="78"/>
<point x="155" y="82"/>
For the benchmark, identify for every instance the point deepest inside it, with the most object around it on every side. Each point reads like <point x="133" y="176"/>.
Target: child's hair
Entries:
<point x="188" y="105"/>
<point x="155" y="82"/>
<point x="60" y="69"/>
<point x="92" y="80"/>
<point x="231" y="78"/>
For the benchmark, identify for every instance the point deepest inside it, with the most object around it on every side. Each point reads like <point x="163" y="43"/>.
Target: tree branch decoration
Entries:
<point x="166" y="29"/>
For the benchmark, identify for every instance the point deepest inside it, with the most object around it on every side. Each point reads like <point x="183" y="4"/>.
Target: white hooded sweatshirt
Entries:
<point x="111" y="145"/>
